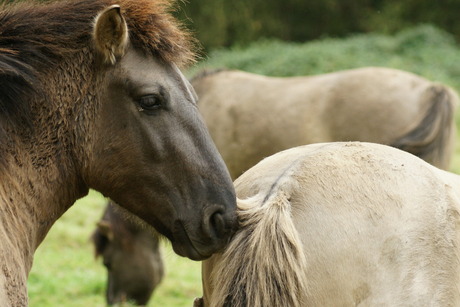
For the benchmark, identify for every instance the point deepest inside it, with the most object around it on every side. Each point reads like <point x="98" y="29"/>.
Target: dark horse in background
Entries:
<point x="131" y="254"/>
<point x="91" y="97"/>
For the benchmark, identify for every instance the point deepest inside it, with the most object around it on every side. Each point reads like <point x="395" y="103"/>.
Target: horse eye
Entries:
<point x="150" y="102"/>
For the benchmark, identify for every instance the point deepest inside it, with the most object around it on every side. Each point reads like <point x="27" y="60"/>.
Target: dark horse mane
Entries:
<point x="35" y="37"/>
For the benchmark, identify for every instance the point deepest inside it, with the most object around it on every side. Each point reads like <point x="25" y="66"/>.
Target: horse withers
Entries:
<point x="91" y="97"/>
<point x="252" y="116"/>
<point x="131" y="255"/>
<point x="341" y="224"/>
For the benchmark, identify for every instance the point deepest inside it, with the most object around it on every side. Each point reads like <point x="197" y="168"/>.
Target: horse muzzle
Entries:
<point x="211" y="236"/>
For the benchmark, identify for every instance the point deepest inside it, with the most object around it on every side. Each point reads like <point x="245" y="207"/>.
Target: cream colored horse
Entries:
<point x="252" y="116"/>
<point x="341" y="224"/>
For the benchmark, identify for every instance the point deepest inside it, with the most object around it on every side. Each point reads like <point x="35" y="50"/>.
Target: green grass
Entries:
<point x="65" y="272"/>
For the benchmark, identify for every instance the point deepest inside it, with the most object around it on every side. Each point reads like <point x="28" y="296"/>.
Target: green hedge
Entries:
<point x="424" y="50"/>
<point x="223" y="23"/>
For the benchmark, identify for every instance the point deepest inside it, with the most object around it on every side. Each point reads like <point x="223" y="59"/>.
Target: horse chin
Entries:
<point x="183" y="245"/>
<point x="188" y="251"/>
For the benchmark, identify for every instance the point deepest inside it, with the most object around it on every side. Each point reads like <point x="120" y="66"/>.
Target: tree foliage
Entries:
<point x="223" y="23"/>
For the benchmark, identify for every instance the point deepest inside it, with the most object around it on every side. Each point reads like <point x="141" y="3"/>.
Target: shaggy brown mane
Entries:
<point x="35" y="37"/>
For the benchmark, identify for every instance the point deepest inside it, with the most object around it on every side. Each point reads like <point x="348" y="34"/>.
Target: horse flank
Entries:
<point x="265" y="258"/>
<point x="431" y="140"/>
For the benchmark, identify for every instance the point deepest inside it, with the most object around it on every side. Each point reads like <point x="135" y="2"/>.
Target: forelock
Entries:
<point x="35" y="37"/>
<point x="154" y="30"/>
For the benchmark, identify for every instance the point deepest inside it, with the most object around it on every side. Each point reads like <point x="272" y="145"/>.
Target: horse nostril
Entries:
<point x="217" y="224"/>
<point x="214" y="223"/>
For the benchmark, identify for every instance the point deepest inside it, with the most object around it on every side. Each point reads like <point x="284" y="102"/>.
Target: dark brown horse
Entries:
<point x="131" y="255"/>
<point x="91" y="97"/>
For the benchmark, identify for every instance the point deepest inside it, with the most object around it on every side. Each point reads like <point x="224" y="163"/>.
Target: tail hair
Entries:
<point x="264" y="265"/>
<point x="433" y="139"/>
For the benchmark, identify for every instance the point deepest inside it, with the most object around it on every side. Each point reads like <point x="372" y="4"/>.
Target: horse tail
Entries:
<point x="433" y="139"/>
<point x="264" y="265"/>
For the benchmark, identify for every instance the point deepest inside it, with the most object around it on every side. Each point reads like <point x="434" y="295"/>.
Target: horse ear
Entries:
<point x="101" y="237"/>
<point x="105" y="228"/>
<point x="198" y="302"/>
<point x="110" y="34"/>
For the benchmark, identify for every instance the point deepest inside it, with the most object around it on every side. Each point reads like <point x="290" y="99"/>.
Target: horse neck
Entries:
<point x="31" y="199"/>
<point x="43" y="177"/>
<point x="39" y="181"/>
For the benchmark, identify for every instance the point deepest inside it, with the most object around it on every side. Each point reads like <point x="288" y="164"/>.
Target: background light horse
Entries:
<point x="251" y="116"/>
<point x="91" y="97"/>
<point x="341" y="224"/>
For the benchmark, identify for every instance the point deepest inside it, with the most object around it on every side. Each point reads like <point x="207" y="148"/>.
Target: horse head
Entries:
<point x="150" y="150"/>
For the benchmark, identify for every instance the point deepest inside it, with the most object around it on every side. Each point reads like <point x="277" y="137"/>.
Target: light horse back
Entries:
<point x="376" y="227"/>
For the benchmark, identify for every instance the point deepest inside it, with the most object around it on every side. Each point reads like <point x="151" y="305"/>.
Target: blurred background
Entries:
<point x="225" y="23"/>
<point x="271" y="37"/>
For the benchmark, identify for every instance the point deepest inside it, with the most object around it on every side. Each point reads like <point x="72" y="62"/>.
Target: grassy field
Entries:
<point x="65" y="272"/>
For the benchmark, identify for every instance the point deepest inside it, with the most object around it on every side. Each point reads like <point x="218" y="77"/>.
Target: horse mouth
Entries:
<point x="183" y="245"/>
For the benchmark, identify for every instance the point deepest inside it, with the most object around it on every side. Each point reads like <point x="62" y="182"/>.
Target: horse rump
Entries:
<point x="265" y="258"/>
